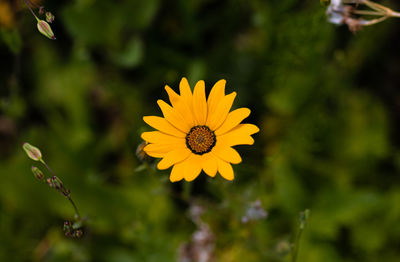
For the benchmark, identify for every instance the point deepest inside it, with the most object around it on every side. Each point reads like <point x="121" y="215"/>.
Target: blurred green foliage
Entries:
<point x="326" y="101"/>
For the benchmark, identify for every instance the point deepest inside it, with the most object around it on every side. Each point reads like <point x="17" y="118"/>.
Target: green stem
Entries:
<point x="303" y="221"/>
<point x="297" y="244"/>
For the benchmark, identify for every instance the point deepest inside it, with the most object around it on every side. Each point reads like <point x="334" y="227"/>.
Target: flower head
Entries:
<point x="337" y="12"/>
<point x="196" y="133"/>
<point x="347" y="12"/>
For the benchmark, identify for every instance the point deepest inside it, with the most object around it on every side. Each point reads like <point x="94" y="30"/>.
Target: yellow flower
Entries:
<point x="198" y="134"/>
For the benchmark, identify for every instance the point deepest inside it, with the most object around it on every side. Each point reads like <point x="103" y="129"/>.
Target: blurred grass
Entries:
<point x="326" y="101"/>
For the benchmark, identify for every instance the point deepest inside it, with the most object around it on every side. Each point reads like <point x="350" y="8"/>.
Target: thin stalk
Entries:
<point x="351" y="1"/>
<point x="78" y="216"/>
<point x="48" y="168"/>
<point x="30" y="9"/>
<point x="366" y="12"/>
<point x="395" y="14"/>
<point x="375" y="21"/>
<point x="34" y="4"/>
<point x="377" y="7"/>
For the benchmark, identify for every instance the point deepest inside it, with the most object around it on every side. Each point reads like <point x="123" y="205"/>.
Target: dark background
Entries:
<point x="326" y="100"/>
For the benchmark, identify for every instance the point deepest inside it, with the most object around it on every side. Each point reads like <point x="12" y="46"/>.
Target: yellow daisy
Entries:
<point x="197" y="134"/>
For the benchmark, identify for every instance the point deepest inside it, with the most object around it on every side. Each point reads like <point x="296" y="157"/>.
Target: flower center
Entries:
<point x="200" y="140"/>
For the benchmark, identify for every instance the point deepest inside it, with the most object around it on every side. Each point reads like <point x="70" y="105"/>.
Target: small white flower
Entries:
<point x="334" y="17"/>
<point x="346" y="12"/>
<point x="336" y="3"/>
<point x="335" y="13"/>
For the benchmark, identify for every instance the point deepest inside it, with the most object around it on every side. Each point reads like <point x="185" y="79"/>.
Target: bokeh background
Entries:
<point x="327" y="102"/>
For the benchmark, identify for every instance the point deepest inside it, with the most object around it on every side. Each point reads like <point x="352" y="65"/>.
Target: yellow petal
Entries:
<point x="216" y="94"/>
<point x="233" y="119"/>
<point x="225" y="169"/>
<point x="226" y="153"/>
<point x="184" y="89"/>
<point x="178" y="172"/>
<point x="193" y="166"/>
<point x="156" y="154"/>
<point x="161" y="138"/>
<point x="173" y="157"/>
<point x="165" y="148"/>
<point x="163" y="125"/>
<point x="160" y="150"/>
<point x="173" y="117"/>
<point x="183" y="107"/>
<point x="209" y="164"/>
<point x="200" y="103"/>
<point x="240" y="135"/>
<point x="216" y="118"/>
<point x="173" y="97"/>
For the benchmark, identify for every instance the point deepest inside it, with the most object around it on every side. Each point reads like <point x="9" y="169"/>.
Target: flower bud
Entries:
<point x="49" y="17"/>
<point x="37" y="173"/>
<point x="45" y="29"/>
<point x="32" y="152"/>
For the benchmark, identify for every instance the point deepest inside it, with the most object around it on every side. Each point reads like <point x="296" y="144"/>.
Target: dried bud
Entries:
<point x="37" y="173"/>
<point x="45" y="29"/>
<point x="78" y="233"/>
<point x="49" y="17"/>
<point x="67" y="226"/>
<point x="41" y="10"/>
<point x="58" y="185"/>
<point x="69" y="230"/>
<point x="55" y="182"/>
<point x="32" y="152"/>
<point x="141" y="154"/>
